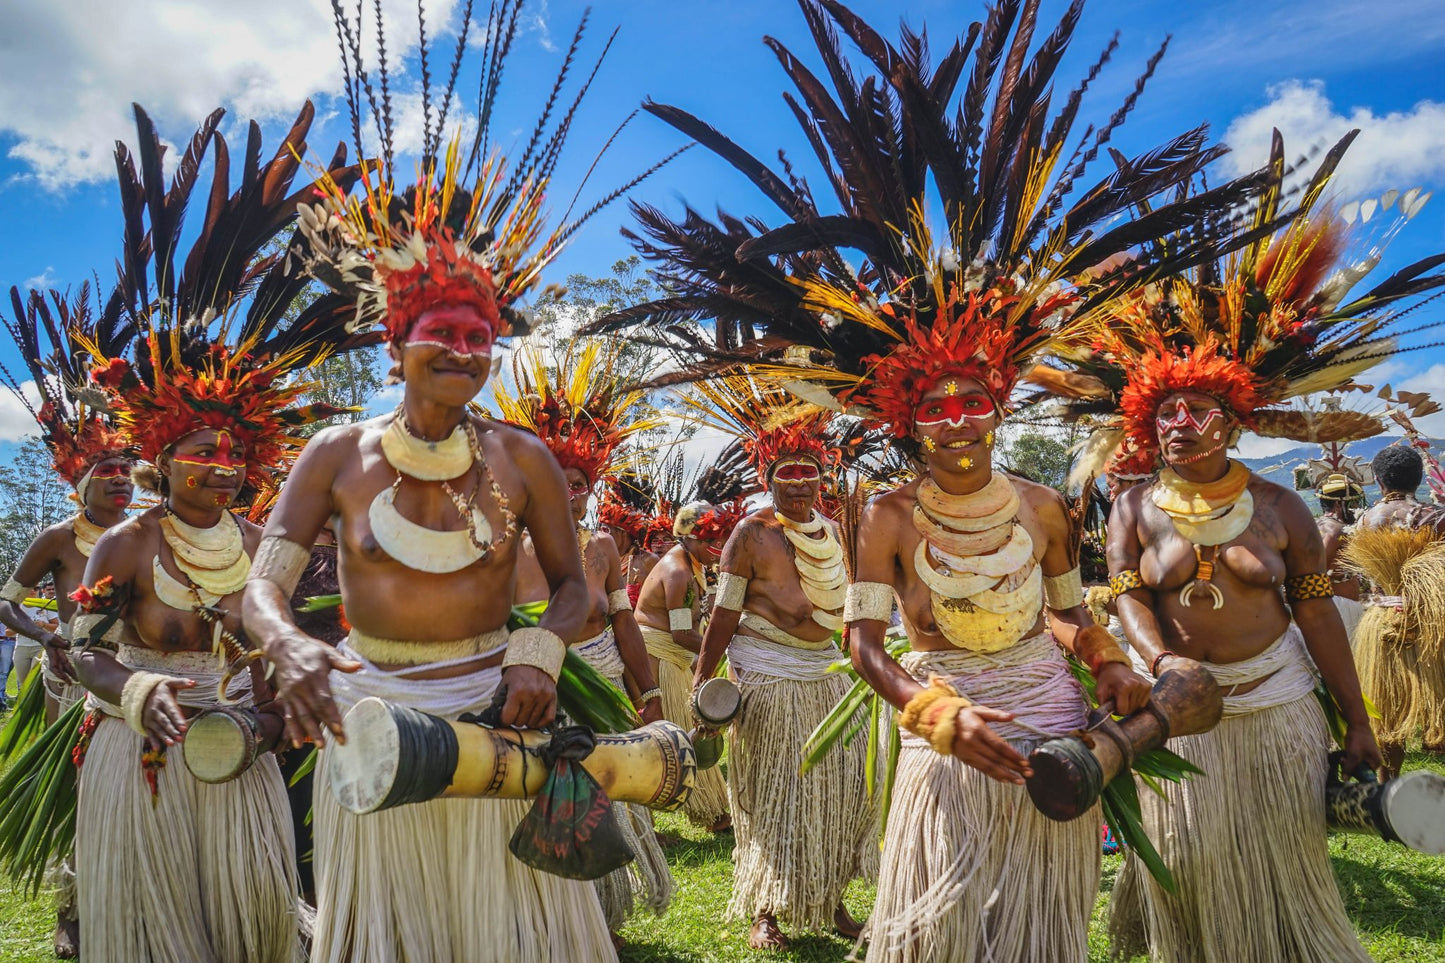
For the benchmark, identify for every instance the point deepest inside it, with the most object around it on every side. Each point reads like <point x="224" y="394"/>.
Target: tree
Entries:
<point x="347" y="380"/>
<point x="32" y="498"/>
<point x="1040" y="458"/>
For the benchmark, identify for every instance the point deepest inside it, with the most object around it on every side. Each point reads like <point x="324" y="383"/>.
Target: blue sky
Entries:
<point x="1315" y="68"/>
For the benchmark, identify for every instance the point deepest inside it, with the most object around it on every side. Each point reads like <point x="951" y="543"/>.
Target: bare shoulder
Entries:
<point x="892" y="507"/>
<point x="1041" y="499"/>
<point x="1284" y="501"/>
<point x="607" y="544"/>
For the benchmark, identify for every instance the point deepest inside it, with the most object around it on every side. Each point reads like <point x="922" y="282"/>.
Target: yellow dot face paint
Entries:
<point x="965" y="463"/>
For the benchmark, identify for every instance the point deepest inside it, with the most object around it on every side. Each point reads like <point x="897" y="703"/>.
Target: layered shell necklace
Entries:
<point x="986" y="589"/>
<point x="819" y="561"/>
<point x="1208" y="515"/>
<point x="86" y="533"/>
<point x="427" y="549"/>
<point x="215" y="564"/>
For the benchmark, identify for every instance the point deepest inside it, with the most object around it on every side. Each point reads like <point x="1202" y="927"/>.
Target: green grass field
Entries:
<point x="1396" y="898"/>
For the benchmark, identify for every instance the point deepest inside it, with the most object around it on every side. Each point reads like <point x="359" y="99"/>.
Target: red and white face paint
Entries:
<point x="460" y="330"/>
<point x="796" y="470"/>
<point x="1198" y="419"/>
<point x="953" y="410"/>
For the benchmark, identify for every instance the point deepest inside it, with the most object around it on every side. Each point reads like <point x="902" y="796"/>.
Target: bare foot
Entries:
<point x="668" y="840"/>
<point x="67" y="939"/>
<point x="765" y="934"/>
<point x="845" y="925"/>
<point x="617" y="941"/>
<point x="723" y="824"/>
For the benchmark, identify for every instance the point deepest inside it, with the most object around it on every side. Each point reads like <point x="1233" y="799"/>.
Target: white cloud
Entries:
<point x="66" y="85"/>
<point x="43" y="281"/>
<point x="16" y="421"/>
<point x="1400" y="149"/>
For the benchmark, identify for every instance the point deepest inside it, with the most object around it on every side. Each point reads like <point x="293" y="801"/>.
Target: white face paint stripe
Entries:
<point x="1183" y="418"/>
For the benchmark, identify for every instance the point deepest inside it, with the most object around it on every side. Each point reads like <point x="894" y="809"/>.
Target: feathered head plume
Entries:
<point x="766" y="420"/>
<point x="977" y="137"/>
<point x="472" y="230"/>
<point x="627" y="505"/>
<point x="1265" y="322"/>
<point x="79" y="437"/>
<point x="580" y="408"/>
<point x="218" y="341"/>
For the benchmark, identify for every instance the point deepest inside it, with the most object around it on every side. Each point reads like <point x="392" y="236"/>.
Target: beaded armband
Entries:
<point x="679" y="620"/>
<point x="538" y="647"/>
<point x="1126" y="581"/>
<point x="1315" y="585"/>
<point x="868" y="600"/>
<point x="281" y="562"/>
<point x="731" y="590"/>
<point x="17" y="593"/>
<point x="617" y="601"/>
<point x="933" y="714"/>
<point x="1064" y="591"/>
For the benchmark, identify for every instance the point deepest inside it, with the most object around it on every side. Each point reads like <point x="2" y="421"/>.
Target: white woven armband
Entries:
<point x="1064" y="591"/>
<point x="280" y="561"/>
<point x="868" y="600"/>
<point x="679" y="620"/>
<point x="134" y="695"/>
<point x="617" y="601"/>
<point x="538" y="647"/>
<point x="84" y="625"/>
<point x="731" y="590"/>
<point x="17" y="593"/>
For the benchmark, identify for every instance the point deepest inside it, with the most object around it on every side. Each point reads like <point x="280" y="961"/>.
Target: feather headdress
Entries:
<point x="983" y="298"/>
<point x="472" y="229"/>
<point x="581" y="408"/>
<point x="218" y="345"/>
<point x="766" y="420"/>
<point x="627" y="505"/>
<point x="1255" y="329"/>
<point x="78" y="436"/>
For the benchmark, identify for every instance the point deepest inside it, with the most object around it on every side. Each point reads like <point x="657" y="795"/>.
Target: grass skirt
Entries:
<point x="1246" y="843"/>
<point x="1404" y="680"/>
<point x="199" y="873"/>
<point x="708" y="801"/>
<point x="647" y="876"/>
<point x="800" y="839"/>
<point x="971" y="871"/>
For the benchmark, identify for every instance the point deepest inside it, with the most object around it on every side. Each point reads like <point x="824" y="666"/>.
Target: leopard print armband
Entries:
<point x="1315" y="585"/>
<point x="1126" y="581"/>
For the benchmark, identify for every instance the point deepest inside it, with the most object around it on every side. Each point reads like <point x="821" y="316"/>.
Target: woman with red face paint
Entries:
<point x="1210" y="562"/>
<point x="90" y="456"/>
<point x="582" y="413"/>
<point x="778" y="605"/>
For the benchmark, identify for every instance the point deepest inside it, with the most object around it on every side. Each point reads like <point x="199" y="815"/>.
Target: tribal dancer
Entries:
<point x="170" y="868"/>
<point x="625" y="513"/>
<point x="89" y="454"/>
<point x="582" y="414"/>
<point x="430" y="503"/>
<point x="779" y="603"/>
<point x="1198" y="560"/>
<point x="930" y="341"/>
<point x="1400" y="641"/>
<point x="670" y="610"/>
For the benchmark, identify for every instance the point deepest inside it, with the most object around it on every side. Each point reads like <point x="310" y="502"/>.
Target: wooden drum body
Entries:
<point x="395" y="755"/>
<point x="1070" y="772"/>
<point x="1409" y="809"/>
<point x="221" y="744"/>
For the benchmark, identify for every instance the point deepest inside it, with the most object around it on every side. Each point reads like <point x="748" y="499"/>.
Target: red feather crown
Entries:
<point x="77" y="448"/>
<point x="718" y="522"/>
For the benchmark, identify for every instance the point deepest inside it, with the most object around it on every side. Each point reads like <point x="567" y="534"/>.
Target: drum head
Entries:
<point x="717" y="701"/>
<point x="1415" y="805"/>
<point x="363" y="770"/>
<point x="218" y="747"/>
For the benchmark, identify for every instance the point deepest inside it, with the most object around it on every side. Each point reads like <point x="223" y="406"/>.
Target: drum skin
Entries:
<point x="220" y="744"/>
<point x="1409" y="809"/>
